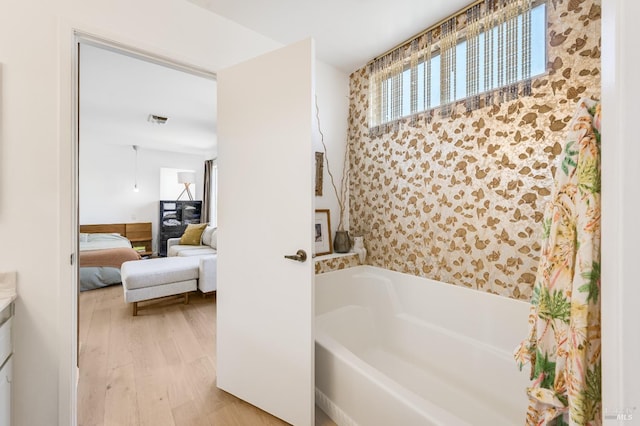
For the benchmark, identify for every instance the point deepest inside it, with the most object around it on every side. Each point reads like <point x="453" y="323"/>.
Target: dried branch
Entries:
<point x="341" y="195"/>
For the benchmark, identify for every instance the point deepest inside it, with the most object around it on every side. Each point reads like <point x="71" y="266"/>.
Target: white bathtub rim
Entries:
<point x="375" y="271"/>
<point x="384" y="277"/>
<point x="436" y="414"/>
<point x="486" y="347"/>
<point x="398" y="312"/>
<point x="494" y="350"/>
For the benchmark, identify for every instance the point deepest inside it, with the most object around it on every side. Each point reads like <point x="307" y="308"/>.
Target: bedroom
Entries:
<point x="36" y="74"/>
<point x="128" y="160"/>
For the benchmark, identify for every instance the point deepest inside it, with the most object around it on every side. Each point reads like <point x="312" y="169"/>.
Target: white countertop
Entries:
<point x="7" y="288"/>
<point x="334" y="256"/>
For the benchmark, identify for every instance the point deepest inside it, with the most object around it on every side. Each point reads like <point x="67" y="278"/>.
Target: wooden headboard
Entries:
<point x="138" y="233"/>
<point x="109" y="228"/>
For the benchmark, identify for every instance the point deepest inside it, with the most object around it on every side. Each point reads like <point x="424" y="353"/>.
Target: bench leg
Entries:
<point x="186" y="302"/>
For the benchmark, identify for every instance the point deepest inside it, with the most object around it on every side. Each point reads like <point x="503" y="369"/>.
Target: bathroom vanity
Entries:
<point x="7" y="298"/>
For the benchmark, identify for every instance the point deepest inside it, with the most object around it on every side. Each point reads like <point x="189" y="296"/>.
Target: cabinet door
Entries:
<point x="170" y="225"/>
<point x="5" y="393"/>
<point x="5" y="339"/>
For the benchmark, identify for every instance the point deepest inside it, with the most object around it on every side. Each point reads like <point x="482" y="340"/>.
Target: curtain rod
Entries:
<point x="433" y="27"/>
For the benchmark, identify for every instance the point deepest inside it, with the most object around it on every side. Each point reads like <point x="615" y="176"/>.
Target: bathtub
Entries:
<point x="395" y="349"/>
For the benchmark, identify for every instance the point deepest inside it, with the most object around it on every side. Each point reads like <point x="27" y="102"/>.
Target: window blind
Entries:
<point x="494" y="35"/>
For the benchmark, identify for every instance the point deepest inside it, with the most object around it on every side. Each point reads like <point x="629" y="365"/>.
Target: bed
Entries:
<point x="103" y="249"/>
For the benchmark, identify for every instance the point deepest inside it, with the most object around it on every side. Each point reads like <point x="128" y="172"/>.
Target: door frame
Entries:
<point x="69" y="360"/>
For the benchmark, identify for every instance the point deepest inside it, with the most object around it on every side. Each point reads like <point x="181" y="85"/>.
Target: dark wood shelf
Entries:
<point x="140" y="235"/>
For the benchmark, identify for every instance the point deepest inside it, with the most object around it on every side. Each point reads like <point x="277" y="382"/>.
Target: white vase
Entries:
<point x="358" y="247"/>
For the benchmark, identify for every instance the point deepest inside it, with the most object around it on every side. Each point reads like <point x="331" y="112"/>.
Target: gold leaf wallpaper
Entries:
<point x="329" y="264"/>
<point x="460" y="199"/>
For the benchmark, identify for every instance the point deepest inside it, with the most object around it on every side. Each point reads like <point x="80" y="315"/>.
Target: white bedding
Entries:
<point x="102" y="241"/>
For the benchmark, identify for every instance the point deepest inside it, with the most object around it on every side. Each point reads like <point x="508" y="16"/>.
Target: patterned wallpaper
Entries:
<point x="335" y="263"/>
<point x="461" y="199"/>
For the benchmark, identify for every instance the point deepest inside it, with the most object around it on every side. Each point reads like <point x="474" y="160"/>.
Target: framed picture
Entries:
<point x="319" y="172"/>
<point x="322" y="232"/>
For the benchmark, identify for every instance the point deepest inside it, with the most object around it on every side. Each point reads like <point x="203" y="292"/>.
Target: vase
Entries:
<point x="341" y="242"/>
<point x="358" y="247"/>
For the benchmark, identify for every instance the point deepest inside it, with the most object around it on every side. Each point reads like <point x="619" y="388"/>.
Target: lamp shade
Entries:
<point x="186" y="177"/>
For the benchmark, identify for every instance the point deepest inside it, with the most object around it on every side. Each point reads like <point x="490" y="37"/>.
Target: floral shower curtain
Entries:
<point x="563" y="346"/>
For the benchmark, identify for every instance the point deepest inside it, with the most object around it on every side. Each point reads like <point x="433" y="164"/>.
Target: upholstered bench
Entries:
<point x="154" y="278"/>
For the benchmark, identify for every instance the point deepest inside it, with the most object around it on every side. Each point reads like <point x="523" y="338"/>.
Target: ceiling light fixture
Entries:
<point x="157" y="119"/>
<point x="135" y="176"/>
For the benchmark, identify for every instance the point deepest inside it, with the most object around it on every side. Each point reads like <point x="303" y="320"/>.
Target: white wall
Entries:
<point x="36" y="211"/>
<point x="332" y="90"/>
<point x="620" y="206"/>
<point x="107" y="178"/>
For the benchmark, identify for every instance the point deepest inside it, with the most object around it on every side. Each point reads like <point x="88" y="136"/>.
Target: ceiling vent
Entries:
<point x="158" y="119"/>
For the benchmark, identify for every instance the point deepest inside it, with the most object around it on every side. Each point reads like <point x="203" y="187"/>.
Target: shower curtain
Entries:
<point x="563" y="346"/>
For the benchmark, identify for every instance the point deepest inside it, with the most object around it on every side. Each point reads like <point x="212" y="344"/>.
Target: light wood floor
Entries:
<point x="158" y="368"/>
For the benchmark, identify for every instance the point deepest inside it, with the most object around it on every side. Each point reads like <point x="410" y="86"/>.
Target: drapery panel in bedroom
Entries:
<point x="208" y="196"/>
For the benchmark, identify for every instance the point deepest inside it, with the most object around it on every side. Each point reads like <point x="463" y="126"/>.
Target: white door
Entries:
<point x="265" y="211"/>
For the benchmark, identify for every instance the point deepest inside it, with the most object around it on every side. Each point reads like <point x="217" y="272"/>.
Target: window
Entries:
<point x="505" y="55"/>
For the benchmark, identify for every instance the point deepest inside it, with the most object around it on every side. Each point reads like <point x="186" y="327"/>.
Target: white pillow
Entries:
<point x="214" y="239"/>
<point x="207" y="234"/>
<point x="84" y="237"/>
